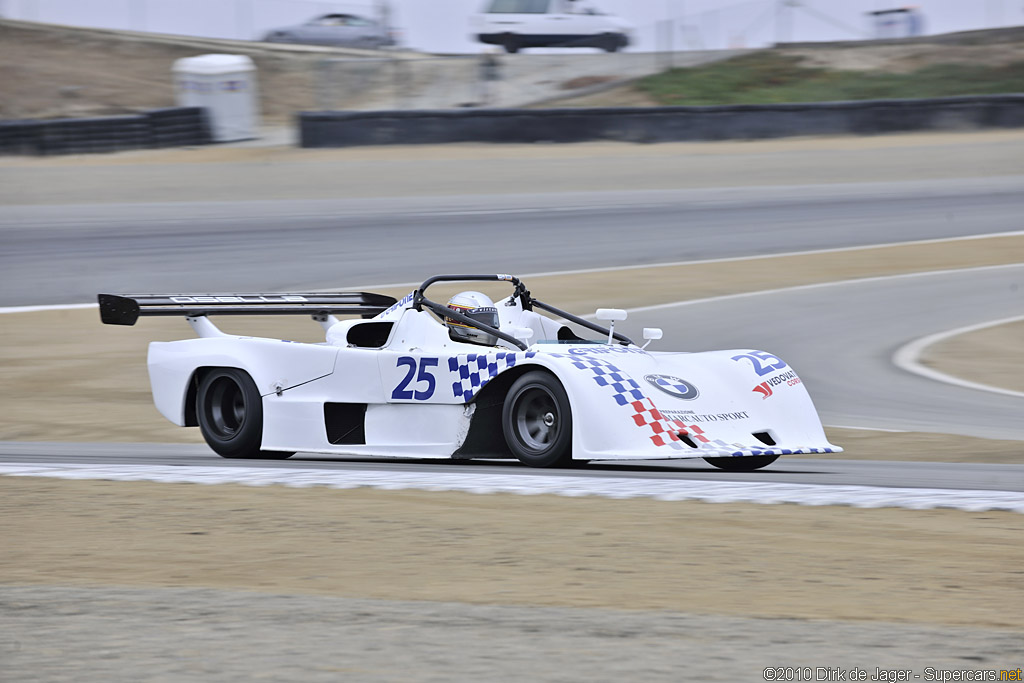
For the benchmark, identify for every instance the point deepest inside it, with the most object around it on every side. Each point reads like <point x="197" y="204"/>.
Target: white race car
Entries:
<point x="473" y="379"/>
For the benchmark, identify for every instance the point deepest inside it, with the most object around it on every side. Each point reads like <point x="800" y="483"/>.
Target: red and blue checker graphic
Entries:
<point x="626" y="392"/>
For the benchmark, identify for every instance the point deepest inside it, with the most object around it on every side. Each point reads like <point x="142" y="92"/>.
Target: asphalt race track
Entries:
<point x="840" y="337"/>
<point x="66" y="254"/>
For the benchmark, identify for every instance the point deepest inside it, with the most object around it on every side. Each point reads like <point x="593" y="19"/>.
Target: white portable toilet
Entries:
<point x="226" y="86"/>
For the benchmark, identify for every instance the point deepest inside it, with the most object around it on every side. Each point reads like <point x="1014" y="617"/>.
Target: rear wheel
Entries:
<point x="510" y="43"/>
<point x="230" y="415"/>
<point x="743" y="463"/>
<point x="537" y="421"/>
<point x="610" y="43"/>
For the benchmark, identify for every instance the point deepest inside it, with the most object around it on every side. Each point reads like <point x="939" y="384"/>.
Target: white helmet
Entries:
<point x="475" y="306"/>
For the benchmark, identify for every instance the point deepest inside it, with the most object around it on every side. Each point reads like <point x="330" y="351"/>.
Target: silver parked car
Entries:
<point x="340" y="30"/>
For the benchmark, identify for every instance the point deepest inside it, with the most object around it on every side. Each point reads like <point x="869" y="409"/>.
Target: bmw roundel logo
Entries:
<point x="673" y="386"/>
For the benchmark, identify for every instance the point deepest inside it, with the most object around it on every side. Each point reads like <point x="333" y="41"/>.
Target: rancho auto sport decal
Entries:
<point x="690" y="416"/>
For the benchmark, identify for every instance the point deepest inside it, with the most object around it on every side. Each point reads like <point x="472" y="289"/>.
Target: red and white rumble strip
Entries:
<point x="658" y="489"/>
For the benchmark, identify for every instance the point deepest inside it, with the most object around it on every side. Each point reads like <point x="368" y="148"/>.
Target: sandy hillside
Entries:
<point x="53" y="71"/>
<point x="993" y="48"/>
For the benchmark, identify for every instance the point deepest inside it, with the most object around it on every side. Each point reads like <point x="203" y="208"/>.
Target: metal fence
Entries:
<point x="395" y="83"/>
<point x="492" y="79"/>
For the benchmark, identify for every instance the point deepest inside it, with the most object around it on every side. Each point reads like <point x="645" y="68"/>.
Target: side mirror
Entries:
<point x="523" y="333"/>
<point x="652" y="334"/>
<point x="611" y="315"/>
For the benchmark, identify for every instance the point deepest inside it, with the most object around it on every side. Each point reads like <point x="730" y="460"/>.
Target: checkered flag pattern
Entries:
<point x="477" y="369"/>
<point x="627" y="393"/>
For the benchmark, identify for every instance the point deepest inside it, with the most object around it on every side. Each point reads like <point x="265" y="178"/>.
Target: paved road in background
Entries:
<point x="841" y="339"/>
<point x="66" y="254"/>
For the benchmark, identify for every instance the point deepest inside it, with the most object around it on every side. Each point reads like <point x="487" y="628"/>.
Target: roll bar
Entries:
<point x="420" y="301"/>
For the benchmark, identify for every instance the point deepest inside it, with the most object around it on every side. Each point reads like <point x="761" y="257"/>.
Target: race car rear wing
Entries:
<point x="125" y="309"/>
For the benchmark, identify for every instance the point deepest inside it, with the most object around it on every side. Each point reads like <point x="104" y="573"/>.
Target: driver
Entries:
<point x="478" y="307"/>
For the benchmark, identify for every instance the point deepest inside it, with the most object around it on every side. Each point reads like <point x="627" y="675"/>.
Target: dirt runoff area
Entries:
<point x="982" y="356"/>
<point x="938" y="567"/>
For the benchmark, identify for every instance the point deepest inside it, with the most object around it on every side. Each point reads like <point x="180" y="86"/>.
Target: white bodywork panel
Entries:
<point x="419" y="390"/>
<point x="560" y="18"/>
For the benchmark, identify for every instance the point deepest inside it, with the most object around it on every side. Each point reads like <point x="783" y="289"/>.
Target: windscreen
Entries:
<point x="518" y="6"/>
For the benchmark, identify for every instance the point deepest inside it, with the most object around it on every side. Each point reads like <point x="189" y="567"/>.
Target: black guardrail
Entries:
<point x="171" y="127"/>
<point x="658" y="124"/>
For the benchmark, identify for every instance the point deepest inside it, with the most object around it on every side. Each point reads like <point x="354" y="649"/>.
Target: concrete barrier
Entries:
<point x="171" y="127"/>
<point x="658" y="124"/>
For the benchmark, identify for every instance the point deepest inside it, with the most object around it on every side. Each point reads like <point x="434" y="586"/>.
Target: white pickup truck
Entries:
<point x="517" y="24"/>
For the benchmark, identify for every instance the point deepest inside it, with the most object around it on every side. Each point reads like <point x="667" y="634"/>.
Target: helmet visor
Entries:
<point x="486" y="315"/>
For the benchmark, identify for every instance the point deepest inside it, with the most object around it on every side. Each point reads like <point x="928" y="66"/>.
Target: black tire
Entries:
<point x="510" y="43"/>
<point x="743" y="464"/>
<point x="537" y="421"/>
<point x="610" y="43"/>
<point x="229" y="410"/>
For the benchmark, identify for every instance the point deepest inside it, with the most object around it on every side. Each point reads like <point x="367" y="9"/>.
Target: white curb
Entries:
<point x="657" y="489"/>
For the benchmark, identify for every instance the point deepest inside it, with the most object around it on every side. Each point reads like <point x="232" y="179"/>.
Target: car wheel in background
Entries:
<point x="511" y="43"/>
<point x="743" y="464"/>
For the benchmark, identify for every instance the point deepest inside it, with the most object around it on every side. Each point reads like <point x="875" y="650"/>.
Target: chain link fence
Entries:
<point x="492" y="79"/>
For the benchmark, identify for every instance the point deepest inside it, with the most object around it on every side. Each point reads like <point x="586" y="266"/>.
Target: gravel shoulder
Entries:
<point x="991" y="356"/>
<point x="775" y="561"/>
<point x="175" y="634"/>
<point x="246" y="173"/>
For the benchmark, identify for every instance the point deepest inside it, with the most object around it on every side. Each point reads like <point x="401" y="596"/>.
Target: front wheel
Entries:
<point x="511" y="43"/>
<point x="610" y="43"/>
<point x="747" y="463"/>
<point x="537" y="421"/>
<point x="230" y="415"/>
